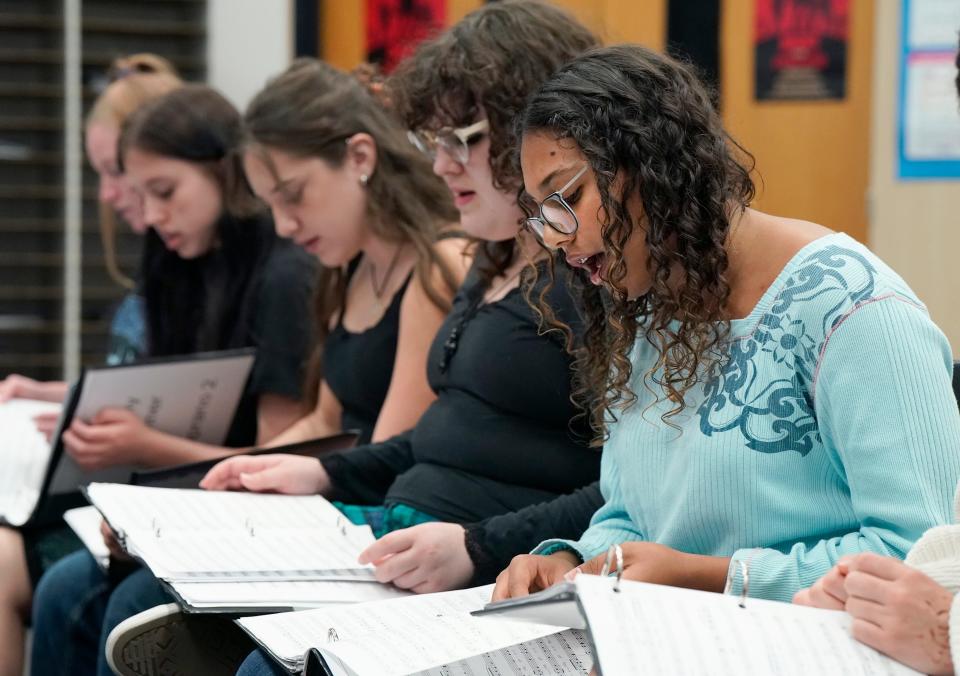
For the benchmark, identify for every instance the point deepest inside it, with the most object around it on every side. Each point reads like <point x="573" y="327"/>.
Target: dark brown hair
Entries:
<point x="308" y="111"/>
<point x="487" y="64"/>
<point x="647" y="127"/>
<point x="197" y="124"/>
<point x="199" y="304"/>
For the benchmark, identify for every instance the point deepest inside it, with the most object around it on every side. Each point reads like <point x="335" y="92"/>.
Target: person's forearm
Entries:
<point x="707" y="573"/>
<point x="55" y="391"/>
<point x="309" y="426"/>
<point x="163" y="450"/>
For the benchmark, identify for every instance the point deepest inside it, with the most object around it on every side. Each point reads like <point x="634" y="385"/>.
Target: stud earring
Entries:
<point x="364" y="179"/>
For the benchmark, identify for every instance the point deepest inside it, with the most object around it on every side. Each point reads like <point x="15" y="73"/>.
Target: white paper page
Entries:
<point x="301" y="552"/>
<point x="136" y="508"/>
<point x="566" y="653"/>
<point x="658" y="629"/>
<point x="25" y="453"/>
<point x="190" y="533"/>
<point x="410" y="635"/>
<point x="85" y="522"/>
<point x="296" y="594"/>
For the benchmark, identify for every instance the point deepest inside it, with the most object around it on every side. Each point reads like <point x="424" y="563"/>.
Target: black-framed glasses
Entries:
<point x="455" y="142"/>
<point x="555" y="212"/>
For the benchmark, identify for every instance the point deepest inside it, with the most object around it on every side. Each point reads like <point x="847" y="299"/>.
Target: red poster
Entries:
<point x="394" y="27"/>
<point x="801" y="49"/>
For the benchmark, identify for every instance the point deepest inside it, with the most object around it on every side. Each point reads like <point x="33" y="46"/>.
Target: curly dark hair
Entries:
<point x="647" y="127"/>
<point x="487" y="64"/>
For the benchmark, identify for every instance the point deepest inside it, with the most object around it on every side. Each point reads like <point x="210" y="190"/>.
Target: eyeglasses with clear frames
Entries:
<point x="555" y="212"/>
<point x="455" y="142"/>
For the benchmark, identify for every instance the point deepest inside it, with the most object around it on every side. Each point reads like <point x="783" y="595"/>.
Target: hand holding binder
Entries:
<point x="114" y="436"/>
<point x="642" y="562"/>
<point x="635" y="626"/>
<point x="194" y="397"/>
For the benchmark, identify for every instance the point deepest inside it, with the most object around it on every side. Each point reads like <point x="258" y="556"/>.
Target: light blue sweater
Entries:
<point x="830" y="429"/>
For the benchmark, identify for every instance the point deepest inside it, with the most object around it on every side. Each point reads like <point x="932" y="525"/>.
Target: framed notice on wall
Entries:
<point x="929" y="114"/>
<point x="801" y="49"/>
<point x="394" y="27"/>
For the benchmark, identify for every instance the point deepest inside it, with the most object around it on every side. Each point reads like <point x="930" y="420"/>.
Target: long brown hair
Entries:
<point x="488" y="64"/>
<point x="305" y="111"/>
<point x="132" y="81"/>
<point x="647" y="127"/>
<point x="198" y="304"/>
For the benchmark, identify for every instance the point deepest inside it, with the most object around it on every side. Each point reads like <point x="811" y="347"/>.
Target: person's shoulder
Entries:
<point x="839" y="265"/>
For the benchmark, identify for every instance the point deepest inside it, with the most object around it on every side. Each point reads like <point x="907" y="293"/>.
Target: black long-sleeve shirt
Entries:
<point x="502" y="433"/>
<point x="492" y="542"/>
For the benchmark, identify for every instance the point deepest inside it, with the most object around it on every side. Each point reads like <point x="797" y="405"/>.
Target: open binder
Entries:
<point x="636" y="627"/>
<point x="194" y="397"/>
<point x="429" y="634"/>
<point x="235" y="552"/>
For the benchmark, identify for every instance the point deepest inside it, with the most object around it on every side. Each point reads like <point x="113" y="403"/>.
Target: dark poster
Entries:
<point x="394" y="27"/>
<point x="801" y="49"/>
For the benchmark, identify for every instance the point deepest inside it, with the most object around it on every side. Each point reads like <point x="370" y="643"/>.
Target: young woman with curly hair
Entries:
<point x="773" y="395"/>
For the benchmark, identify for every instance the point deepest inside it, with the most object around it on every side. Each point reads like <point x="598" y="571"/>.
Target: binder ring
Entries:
<point x="745" y="587"/>
<point x="614" y="557"/>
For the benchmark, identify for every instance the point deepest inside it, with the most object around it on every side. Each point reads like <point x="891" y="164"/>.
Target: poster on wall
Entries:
<point x="800" y="48"/>
<point x="394" y="27"/>
<point x="929" y="117"/>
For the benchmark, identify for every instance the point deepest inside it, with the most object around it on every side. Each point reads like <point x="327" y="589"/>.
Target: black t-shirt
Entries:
<point x="279" y="325"/>
<point x="499" y="436"/>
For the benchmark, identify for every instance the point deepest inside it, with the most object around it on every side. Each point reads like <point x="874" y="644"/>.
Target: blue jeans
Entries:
<point x="258" y="664"/>
<point x="76" y="606"/>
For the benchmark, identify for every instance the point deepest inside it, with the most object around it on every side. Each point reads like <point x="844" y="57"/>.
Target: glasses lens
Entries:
<point x="453" y="146"/>
<point x="558" y="214"/>
<point x="422" y="143"/>
<point x="535" y="225"/>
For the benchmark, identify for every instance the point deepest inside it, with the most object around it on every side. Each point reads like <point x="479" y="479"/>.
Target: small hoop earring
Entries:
<point x="364" y="179"/>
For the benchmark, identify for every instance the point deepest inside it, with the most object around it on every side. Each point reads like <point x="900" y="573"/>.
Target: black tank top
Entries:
<point x="357" y="367"/>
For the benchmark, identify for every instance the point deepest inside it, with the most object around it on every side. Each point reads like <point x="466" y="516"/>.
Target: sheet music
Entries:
<point x="669" y="630"/>
<point x="300" y="552"/>
<point x="25" y="453"/>
<point x="136" y="508"/>
<point x="566" y="653"/>
<point x="295" y="594"/>
<point x="85" y="522"/>
<point x="411" y="634"/>
<point x="191" y="534"/>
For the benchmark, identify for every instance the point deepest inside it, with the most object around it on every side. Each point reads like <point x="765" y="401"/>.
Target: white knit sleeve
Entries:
<point x="937" y="554"/>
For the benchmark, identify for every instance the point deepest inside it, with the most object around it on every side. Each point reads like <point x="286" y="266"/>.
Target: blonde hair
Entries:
<point x="133" y="81"/>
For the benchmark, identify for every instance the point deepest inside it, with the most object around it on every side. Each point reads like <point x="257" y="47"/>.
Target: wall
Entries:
<point x="248" y="41"/>
<point x="813" y="157"/>
<point x="913" y="225"/>
<point x="342" y="23"/>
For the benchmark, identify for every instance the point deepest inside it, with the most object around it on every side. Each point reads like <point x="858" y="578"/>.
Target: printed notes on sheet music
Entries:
<point x="414" y="634"/>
